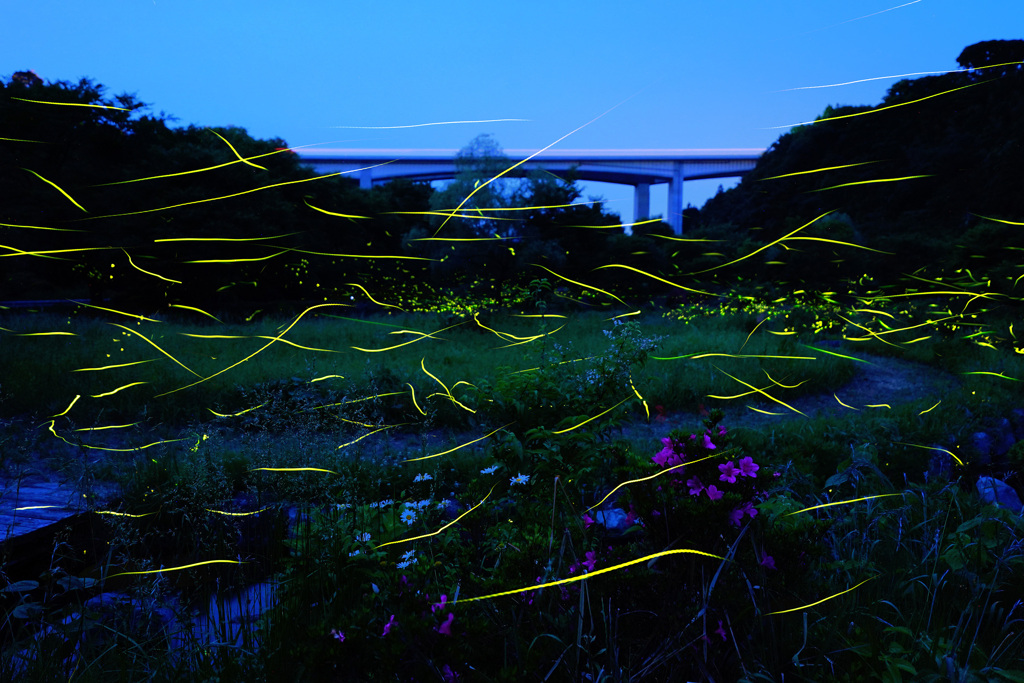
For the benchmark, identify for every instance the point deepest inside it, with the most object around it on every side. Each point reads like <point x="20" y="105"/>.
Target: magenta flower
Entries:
<point x="440" y="605"/>
<point x="768" y="561"/>
<point x="662" y="457"/>
<point x="588" y="521"/>
<point x="729" y="472"/>
<point x="713" y="492"/>
<point x="749" y="468"/>
<point x="735" y="516"/>
<point x="695" y="485"/>
<point x="445" y="629"/>
<point x="707" y="443"/>
<point x="338" y="635"/>
<point x="749" y="509"/>
<point x="721" y="431"/>
<point x="387" y="626"/>
<point x="721" y="631"/>
<point x="590" y="561"/>
<point x="449" y="674"/>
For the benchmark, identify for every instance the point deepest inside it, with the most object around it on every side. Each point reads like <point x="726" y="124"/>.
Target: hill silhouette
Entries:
<point x="915" y="174"/>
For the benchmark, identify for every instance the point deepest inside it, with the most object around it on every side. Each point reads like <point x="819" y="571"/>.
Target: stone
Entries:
<point x="997" y="492"/>
<point x="982" y="443"/>
<point x="1004" y="438"/>
<point x="1017" y="420"/>
<point x="614" y="519"/>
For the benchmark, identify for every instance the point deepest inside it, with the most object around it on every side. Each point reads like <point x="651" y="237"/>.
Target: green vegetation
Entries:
<point x="565" y="454"/>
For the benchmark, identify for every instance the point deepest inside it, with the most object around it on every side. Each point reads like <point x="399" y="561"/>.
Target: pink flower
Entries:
<point x="748" y="468"/>
<point x="662" y="457"/>
<point x="387" y="626"/>
<point x="707" y="443"/>
<point x="713" y="492"/>
<point x="587" y="521"/>
<point x="721" y="431"/>
<point x="695" y="485"/>
<point x="721" y="631"/>
<point x="445" y="629"/>
<point x="449" y="675"/>
<point x="440" y="605"/>
<point x="338" y="635"/>
<point x="729" y="472"/>
<point x="590" y="561"/>
<point x="768" y="561"/>
<point x="746" y="509"/>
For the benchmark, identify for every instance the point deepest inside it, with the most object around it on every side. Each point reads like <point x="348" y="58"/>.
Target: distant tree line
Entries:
<point x="105" y="201"/>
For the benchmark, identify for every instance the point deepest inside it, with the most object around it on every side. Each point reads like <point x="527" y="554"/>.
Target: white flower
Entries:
<point x="383" y="504"/>
<point x="408" y="554"/>
<point x="354" y="553"/>
<point x="443" y="505"/>
<point x="489" y="470"/>
<point x="403" y="565"/>
<point x="363" y="537"/>
<point x="423" y="477"/>
<point x="520" y="479"/>
<point x="408" y="517"/>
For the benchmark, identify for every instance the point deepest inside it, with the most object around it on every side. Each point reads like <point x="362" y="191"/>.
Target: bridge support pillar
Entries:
<point x="675" y="199"/>
<point x="641" y="201"/>
<point x="366" y="179"/>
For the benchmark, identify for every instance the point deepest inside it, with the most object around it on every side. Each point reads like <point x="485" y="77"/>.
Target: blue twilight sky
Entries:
<point x="664" y="73"/>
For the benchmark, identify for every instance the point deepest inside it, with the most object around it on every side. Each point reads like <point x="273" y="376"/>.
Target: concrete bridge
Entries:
<point x="640" y="168"/>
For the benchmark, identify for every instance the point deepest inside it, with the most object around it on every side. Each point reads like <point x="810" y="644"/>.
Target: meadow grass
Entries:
<point x="930" y="565"/>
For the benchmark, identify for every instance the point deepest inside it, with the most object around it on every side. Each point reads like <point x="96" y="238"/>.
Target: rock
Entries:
<point x="997" y="492"/>
<point x="940" y="465"/>
<point x="1017" y="420"/>
<point x="1004" y="438"/>
<point x="614" y="519"/>
<point x="982" y="443"/>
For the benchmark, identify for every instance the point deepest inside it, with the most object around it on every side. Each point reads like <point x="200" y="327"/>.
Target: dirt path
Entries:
<point x="879" y="380"/>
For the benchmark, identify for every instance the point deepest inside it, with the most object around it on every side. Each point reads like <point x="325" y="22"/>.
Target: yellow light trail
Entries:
<point x="175" y="569"/>
<point x="580" y="284"/>
<point x="68" y="409"/>
<point x="452" y="450"/>
<point x="154" y="345"/>
<point x="654" y="476"/>
<point x="435" y="533"/>
<point x="137" y="316"/>
<point x="292" y="469"/>
<point x="71" y="104"/>
<point x="211" y="199"/>
<point x="254" y="353"/>
<point x="197" y="310"/>
<point x="933" y="448"/>
<point x="760" y="249"/>
<point x="235" y="151"/>
<point x="659" y="279"/>
<point x="332" y="213"/>
<point x="817" y="170"/>
<point x="869" y="182"/>
<point x="842" y="502"/>
<point x="760" y="391"/>
<point x="598" y="572"/>
<point x="590" y="419"/>
<point x="121" y="388"/>
<point x="880" y="109"/>
<point x="803" y="607"/>
<point x="57" y="187"/>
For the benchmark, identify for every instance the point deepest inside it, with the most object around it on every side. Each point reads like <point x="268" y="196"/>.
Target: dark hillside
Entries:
<point x="921" y="167"/>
